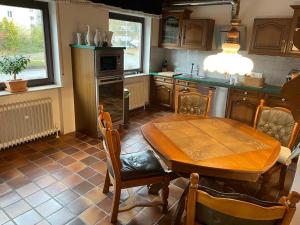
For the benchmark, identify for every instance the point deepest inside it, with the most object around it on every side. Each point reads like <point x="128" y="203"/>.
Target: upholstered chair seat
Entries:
<point x="139" y="165"/>
<point x="280" y="124"/>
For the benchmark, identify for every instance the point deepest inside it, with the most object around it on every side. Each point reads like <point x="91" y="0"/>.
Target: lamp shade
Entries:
<point x="228" y="61"/>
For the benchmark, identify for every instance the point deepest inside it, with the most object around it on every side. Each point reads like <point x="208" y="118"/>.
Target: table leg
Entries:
<point x="153" y="189"/>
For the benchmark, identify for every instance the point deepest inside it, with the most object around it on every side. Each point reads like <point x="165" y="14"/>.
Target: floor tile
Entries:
<point x="70" y="150"/>
<point x="92" y="215"/>
<point x="48" y="207"/>
<point x="10" y="174"/>
<point x="18" y="182"/>
<point x="77" y="221"/>
<point x="83" y="187"/>
<point x="87" y="172"/>
<point x="97" y="179"/>
<point x="9" y="198"/>
<point x="77" y="166"/>
<point x="37" y="198"/>
<point x="89" y="160"/>
<point x="72" y="180"/>
<point x="61" y="217"/>
<point x="4" y="188"/>
<point x="95" y="195"/>
<point x="66" y="197"/>
<point x="55" y="189"/>
<point x="91" y="150"/>
<point x="61" y="173"/>
<point x="3" y="217"/>
<point x="29" y="218"/>
<point x="80" y="155"/>
<point x="105" y="204"/>
<point x="45" y="181"/>
<point x="27" y="189"/>
<point x="79" y="205"/>
<point x="17" y="208"/>
<point x="67" y="161"/>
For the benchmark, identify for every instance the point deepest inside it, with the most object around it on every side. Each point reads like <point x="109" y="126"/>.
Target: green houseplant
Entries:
<point x="13" y="65"/>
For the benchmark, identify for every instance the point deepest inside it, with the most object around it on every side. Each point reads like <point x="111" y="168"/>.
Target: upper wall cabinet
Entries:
<point x="197" y="34"/>
<point x="293" y="47"/>
<point x="270" y="36"/>
<point x="178" y="31"/>
<point x="277" y="36"/>
<point x="171" y="28"/>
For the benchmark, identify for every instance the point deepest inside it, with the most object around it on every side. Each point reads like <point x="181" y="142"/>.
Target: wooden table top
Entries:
<point x="215" y="147"/>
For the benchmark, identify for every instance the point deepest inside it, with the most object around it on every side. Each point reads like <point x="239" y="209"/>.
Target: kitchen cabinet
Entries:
<point x="241" y="105"/>
<point x="276" y="101"/>
<point x="293" y="46"/>
<point x="197" y="34"/>
<point x="177" y="30"/>
<point x="270" y="36"/>
<point x="171" y="28"/>
<point x="162" y="92"/>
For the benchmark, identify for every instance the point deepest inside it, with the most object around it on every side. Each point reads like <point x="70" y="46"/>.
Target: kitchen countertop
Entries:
<point x="209" y="81"/>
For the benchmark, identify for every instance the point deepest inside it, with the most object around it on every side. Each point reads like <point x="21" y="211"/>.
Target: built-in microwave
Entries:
<point x="109" y="62"/>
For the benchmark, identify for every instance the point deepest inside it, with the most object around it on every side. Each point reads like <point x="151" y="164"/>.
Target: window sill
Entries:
<point x="135" y="75"/>
<point x="32" y="89"/>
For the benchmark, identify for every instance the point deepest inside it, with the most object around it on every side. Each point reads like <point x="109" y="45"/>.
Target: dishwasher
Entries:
<point x="219" y="101"/>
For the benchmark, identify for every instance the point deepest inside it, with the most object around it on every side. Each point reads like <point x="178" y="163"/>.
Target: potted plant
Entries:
<point x="13" y="65"/>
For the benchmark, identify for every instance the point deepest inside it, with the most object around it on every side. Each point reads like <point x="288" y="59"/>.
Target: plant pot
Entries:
<point x="15" y="86"/>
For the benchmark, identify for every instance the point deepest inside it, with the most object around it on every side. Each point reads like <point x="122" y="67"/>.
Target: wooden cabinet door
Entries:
<point x="197" y="34"/>
<point x="242" y="105"/>
<point x="270" y="36"/>
<point x="293" y="47"/>
<point x="163" y="95"/>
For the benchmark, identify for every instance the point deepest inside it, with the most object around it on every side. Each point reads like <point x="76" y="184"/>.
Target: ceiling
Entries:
<point x="147" y="6"/>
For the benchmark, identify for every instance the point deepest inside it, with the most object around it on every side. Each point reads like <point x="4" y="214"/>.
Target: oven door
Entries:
<point x="110" y="95"/>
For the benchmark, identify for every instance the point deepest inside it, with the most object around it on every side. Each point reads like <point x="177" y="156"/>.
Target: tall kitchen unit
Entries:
<point x="98" y="78"/>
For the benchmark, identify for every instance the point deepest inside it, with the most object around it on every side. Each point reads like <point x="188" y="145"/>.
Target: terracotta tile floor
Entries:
<point x="59" y="181"/>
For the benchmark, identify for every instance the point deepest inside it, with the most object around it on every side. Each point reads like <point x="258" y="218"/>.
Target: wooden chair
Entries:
<point x="129" y="170"/>
<point x="193" y="103"/>
<point x="278" y="123"/>
<point x="209" y="207"/>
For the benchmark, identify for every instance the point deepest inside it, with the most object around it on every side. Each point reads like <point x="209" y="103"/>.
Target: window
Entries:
<point x="128" y="33"/>
<point x="27" y="32"/>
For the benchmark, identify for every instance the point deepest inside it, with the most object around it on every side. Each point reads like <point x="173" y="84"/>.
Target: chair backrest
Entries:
<point x="111" y="142"/>
<point x="206" y="209"/>
<point x="278" y="123"/>
<point x="193" y="103"/>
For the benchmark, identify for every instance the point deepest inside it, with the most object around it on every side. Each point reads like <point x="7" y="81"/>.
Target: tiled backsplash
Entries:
<point x="274" y="68"/>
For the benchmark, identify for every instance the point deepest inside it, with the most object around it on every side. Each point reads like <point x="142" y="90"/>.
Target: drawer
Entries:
<point x="276" y="101"/>
<point x="187" y="83"/>
<point x="163" y="79"/>
<point x="180" y="88"/>
<point x="244" y="93"/>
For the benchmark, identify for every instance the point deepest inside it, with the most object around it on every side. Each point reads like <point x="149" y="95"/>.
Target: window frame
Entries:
<point x="124" y="17"/>
<point x="44" y="7"/>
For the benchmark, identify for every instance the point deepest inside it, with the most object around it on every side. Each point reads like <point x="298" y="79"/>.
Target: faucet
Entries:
<point x="193" y="70"/>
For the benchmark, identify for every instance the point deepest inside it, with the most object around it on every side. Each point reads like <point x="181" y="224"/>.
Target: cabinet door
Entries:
<point x="163" y="95"/>
<point x="270" y="36"/>
<point x="293" y="47"/>
<point x="170" y="31"/>
<point x="242" y="105"/>
<point x="197" y="34"/>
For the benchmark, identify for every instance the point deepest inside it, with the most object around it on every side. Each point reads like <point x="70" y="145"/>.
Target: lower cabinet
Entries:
<point x="162" y="92"/>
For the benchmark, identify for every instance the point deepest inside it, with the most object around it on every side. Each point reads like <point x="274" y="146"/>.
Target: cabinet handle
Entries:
<point x="184" y="90"/>
<point x="244" y="99"/>
<point x="283" y="99"/>
<point x="245" y="93"/>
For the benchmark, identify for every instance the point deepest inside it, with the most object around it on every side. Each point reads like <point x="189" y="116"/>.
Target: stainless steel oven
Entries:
<point x="109" y="62"/>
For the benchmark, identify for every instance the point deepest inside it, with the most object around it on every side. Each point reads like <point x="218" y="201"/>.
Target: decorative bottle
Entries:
<point x="88" y="36"/>
<point x="96" y="38"/>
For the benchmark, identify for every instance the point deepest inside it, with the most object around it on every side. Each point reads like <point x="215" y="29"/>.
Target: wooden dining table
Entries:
<point x="212" y="147"/>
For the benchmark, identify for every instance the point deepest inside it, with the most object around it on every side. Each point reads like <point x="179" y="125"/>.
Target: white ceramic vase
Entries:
<point x="109" y="35"/>
<point x="96" y="38"/>
<point x="88" y="36"/>
<point x="78" y="35"/>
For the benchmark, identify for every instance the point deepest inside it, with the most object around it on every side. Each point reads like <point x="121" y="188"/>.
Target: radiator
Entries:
<point x="137" y="95"/>
<point x="25" y="121"/>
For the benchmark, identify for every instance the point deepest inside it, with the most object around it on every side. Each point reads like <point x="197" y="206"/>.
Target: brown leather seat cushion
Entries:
<point x="140" y="165"/>
<point x="208" y="216"/>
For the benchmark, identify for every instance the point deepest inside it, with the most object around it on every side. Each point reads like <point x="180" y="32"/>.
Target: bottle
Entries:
<point x="164" y="66"/>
